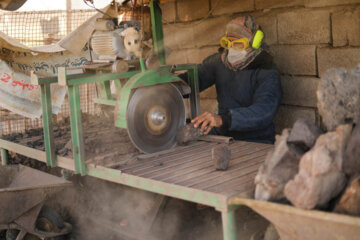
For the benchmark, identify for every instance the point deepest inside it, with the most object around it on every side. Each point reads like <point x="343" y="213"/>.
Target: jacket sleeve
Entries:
<point x="266" y="101"/>
<point x="206" y="72"/>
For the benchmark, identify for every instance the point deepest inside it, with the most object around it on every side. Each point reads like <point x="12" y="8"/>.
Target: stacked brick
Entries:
<point x="307" y="37"/>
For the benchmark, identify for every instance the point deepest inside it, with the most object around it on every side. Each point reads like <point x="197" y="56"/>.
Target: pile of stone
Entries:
<point x="312" y="168"/>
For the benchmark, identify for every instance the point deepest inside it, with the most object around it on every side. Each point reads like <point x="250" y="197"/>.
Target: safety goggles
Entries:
<point x="238" y="44"/>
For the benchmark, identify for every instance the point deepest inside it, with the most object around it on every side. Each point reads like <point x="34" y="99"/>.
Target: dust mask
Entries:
<point x="236" y="55"/>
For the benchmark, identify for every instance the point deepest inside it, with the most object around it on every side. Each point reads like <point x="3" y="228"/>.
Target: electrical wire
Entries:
<point x="93" y="6"/>
<point x="142" y="19"/>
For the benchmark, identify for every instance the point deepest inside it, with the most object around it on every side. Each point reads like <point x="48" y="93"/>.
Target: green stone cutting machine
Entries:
<point x="149" y="104"/>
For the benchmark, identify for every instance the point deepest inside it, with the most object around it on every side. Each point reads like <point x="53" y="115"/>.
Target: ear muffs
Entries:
<point x="257" y="40"/>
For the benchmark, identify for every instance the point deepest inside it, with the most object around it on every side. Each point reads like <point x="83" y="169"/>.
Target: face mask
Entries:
<point x="236" y="55"/>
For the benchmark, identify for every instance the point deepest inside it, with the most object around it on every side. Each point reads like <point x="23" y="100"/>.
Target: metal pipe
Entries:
<point x="142" y="65"/>
<point x="229" y="225"/>
<point x="4" y="157"/>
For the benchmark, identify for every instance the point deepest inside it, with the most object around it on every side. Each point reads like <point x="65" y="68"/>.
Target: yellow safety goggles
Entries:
<point x="239" y="44"/>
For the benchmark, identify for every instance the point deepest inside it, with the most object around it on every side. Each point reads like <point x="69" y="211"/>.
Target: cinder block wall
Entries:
<point x="306" y="36"/>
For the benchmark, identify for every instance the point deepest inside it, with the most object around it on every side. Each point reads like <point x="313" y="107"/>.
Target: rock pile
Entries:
<point x="282" y="164"/>
<point x="320" y="177"/>
<point x="315" y="169"/>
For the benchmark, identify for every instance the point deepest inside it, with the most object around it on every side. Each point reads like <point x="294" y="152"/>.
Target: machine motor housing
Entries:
<point x="107" y="41"/>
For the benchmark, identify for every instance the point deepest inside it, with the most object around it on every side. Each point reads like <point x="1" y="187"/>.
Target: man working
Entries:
<point x="247" y="85"/>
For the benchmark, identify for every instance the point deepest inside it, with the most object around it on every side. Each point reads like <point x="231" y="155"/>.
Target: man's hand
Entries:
<point x="207" y="121"/>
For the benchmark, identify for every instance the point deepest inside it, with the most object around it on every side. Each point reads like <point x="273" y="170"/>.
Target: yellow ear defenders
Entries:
<point x="257" y="40"/>
<point x="243" y="43"/>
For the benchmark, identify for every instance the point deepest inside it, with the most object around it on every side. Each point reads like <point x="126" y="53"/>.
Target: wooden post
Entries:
<point x="68" y="16"/>
<point x="9" y="126"/>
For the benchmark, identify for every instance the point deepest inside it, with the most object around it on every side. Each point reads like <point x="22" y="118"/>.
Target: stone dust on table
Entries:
<point x="104" y="143"/>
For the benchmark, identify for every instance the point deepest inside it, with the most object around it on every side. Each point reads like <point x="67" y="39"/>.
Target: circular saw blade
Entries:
<point x="154" y="115"/>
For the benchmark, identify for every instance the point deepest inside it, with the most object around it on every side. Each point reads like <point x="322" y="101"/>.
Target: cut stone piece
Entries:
<point x="221" y="156"/>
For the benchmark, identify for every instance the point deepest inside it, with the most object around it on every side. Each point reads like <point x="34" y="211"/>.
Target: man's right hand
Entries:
<point x="207" y="121"/>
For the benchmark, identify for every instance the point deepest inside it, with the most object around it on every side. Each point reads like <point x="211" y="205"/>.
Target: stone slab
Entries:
<point x="231" y="6"/>
<point x="178" y="36"/>
<point x="209" y="31"/>
<point x="295" y="59"/>
<point x="269" y="26"/>
<point x="346" y="27"/>
<point x="168" y="12"/>
<point x="196" y="34"/>
<point x="337" y="57"/>
<point x="324" y="3"/>
<point x="299" y="91"/>
<point x="188" y="10"/>
<point x="268" y="4"/>
<point x="177" y="57"/>
<point x="287" y="116"/>
<point x="313" y="28"/>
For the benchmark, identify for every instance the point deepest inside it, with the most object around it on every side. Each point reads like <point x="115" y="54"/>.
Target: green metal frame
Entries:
<point x="104" y="88"/>
<point x="4" y="157"/>
<point x="136" y="79"/>
<point x="143" y="79"/>
<point x="219" y="202"/>
<point x="48" y="125"/>
<point x="72" y="82"/>
<point x="76" y="129"/>
<point x="157" y="31"/>
<point x="211" y="199"/>
<point x="193" y="80"/>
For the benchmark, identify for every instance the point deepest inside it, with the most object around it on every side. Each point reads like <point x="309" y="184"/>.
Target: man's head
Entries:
<point x="242" y="32"/>
<point x="243" y="39"/>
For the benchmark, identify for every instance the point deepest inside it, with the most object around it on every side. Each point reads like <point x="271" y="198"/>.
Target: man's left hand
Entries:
<point x="207" y="121"/>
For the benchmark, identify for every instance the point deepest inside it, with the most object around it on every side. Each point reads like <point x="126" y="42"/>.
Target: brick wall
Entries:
<point x="306" y="36"/>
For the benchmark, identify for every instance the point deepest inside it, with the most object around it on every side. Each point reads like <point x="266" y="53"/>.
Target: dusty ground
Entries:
<point x="103" y="210"/>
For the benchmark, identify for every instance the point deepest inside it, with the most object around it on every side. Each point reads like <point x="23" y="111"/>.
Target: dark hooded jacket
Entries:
<point x="248" y="99"/>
